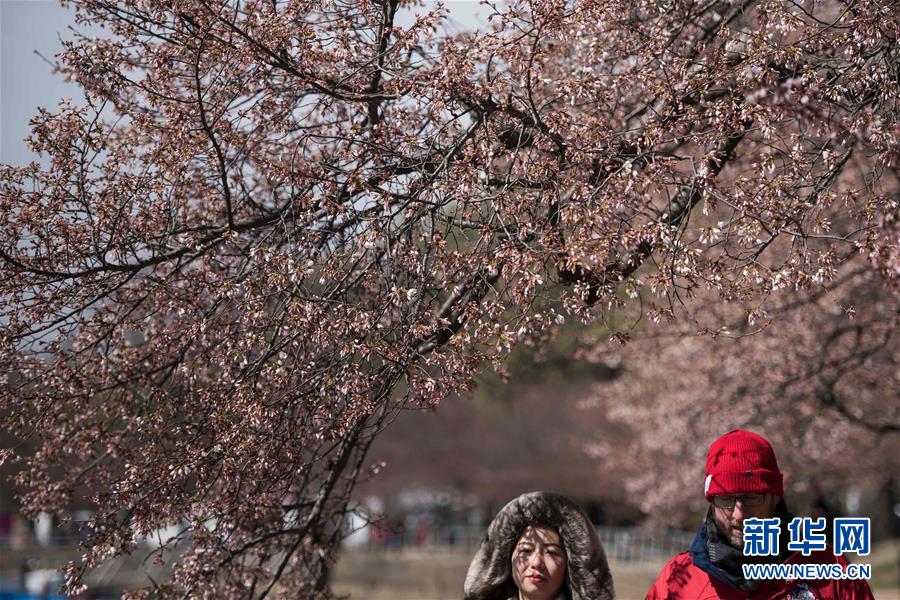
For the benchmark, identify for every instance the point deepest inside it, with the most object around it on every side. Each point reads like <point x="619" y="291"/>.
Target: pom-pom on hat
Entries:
<point x="742" y="462"/>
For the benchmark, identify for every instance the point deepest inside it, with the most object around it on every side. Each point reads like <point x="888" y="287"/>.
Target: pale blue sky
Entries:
<point x="26" y="80"/>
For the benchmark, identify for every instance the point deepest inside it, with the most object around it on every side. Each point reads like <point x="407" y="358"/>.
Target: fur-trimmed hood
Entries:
<point x="587" y="572"/>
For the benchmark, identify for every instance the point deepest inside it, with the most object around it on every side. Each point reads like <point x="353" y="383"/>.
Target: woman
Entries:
<point x="540" y="546"/>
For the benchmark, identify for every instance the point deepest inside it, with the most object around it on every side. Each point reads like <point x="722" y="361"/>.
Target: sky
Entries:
<point x="30" y="29"/>
<point x="26" y="80"/>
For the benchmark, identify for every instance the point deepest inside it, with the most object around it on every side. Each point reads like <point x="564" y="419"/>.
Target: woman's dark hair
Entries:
<point x="587" y="572"/>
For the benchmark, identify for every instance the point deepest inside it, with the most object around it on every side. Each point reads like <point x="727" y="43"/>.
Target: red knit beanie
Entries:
<point x="741" y="462"/>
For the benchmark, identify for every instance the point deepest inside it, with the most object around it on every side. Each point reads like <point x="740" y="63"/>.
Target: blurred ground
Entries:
<point x="439" y="574"/>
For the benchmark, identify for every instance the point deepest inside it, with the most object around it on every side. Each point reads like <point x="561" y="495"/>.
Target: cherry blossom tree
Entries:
<point x="817" y="374"/>
<point x="276" y="223"/>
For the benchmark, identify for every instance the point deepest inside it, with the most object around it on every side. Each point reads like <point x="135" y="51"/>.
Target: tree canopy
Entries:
<point x="276" y="223"/>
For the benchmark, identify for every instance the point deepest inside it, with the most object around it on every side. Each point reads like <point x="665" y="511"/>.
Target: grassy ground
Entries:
<point x="439" y="574"/>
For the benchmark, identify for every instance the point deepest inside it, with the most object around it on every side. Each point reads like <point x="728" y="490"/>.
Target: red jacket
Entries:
<point x="680" y="579"/>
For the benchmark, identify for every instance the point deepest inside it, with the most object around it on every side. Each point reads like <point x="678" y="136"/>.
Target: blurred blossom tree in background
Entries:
<point x="819" y="373"/>
<point x="275" y="224"/>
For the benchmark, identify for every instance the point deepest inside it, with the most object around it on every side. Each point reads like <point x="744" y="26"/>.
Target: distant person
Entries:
<point x="540" y="546"/>
<point x="743" y="481"/>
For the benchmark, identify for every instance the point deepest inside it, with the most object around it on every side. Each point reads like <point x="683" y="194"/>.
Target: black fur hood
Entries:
<point x="587" y="572"/>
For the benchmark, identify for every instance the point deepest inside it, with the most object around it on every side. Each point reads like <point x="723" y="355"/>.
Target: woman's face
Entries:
<point x="539" y="564"/>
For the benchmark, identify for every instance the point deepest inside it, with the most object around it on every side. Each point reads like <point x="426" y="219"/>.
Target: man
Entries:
<point x="742" y="482"/>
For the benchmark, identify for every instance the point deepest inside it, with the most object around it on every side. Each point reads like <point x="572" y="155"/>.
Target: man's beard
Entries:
<point x="734" y="537"/>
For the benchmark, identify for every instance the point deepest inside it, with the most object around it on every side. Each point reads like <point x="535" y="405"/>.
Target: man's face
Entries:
<point x="730" y="521"/>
